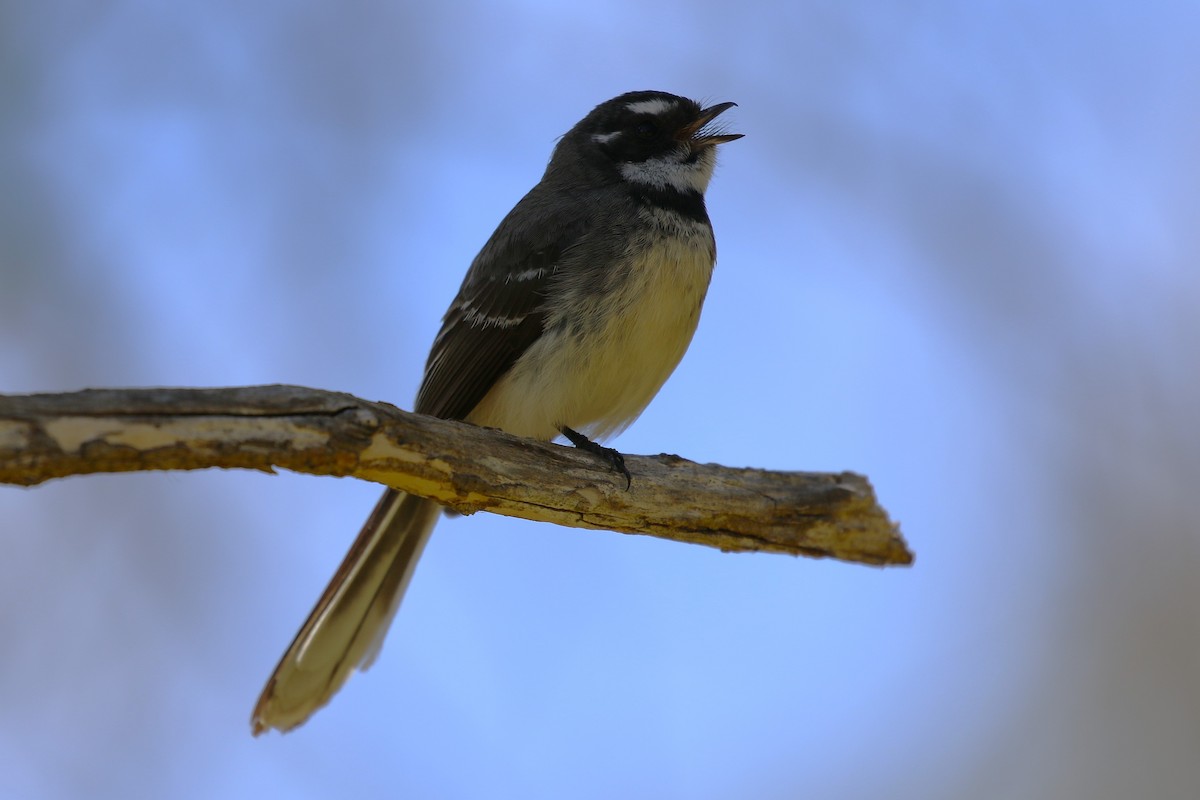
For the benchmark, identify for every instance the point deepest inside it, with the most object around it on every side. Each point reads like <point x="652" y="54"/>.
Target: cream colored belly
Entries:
<point x="599" y="380"/>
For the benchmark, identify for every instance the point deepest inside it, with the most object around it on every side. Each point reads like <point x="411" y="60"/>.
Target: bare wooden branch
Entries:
<point x="47" y="436"/>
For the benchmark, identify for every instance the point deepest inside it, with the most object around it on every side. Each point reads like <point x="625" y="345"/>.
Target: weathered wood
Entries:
<point x="47" y="436"/>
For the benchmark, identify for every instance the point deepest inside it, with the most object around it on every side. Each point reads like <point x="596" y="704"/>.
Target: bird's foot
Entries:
<point x="614" y="459"/>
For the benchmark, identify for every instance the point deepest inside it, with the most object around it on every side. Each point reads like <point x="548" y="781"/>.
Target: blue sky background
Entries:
<point x="958" y="254"/>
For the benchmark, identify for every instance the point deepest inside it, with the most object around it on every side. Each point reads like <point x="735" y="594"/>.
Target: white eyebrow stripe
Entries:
<point x="654" y="106"/>
<point x="604" y="138"/>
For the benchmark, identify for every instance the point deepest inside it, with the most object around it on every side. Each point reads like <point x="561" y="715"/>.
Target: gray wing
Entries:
<point x="500" y="310"/>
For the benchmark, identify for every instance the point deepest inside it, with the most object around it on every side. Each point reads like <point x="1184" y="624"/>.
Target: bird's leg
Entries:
<point x="614" y="459"/>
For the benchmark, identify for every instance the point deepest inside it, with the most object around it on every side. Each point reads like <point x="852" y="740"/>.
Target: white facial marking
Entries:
<point x="672" y="171"/>
<point x="655" y="106"/>
<point x="604" y="138"/>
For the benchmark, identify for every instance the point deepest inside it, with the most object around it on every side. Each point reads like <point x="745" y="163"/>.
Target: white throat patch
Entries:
<point x="672" y="171"/>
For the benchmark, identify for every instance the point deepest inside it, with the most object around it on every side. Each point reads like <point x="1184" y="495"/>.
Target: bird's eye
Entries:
<point x="645" y="129"/>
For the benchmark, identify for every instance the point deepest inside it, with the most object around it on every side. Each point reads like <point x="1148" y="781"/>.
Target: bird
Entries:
<point x="569" y="320"/>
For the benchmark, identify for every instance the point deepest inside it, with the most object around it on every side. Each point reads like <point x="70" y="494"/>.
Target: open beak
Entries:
<point x="694" y="133"/>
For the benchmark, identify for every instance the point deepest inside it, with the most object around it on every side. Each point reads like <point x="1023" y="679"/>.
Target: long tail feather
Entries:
<point x="347" y="627"/>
